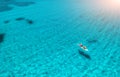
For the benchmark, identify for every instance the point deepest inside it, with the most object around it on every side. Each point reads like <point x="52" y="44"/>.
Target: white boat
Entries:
<point x="83" y="47"/>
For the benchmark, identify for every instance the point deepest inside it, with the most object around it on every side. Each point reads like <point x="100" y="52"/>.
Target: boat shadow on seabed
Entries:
<point x="84" y="54"/>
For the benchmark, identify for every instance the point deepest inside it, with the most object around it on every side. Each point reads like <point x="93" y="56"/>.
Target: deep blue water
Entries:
<point x="40" y="39"/>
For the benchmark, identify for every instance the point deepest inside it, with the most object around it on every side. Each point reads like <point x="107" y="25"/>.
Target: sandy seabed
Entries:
<point x="40" y="39"/>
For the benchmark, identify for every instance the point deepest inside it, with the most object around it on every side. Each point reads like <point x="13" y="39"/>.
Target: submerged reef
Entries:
<point x="92" y="40"/>
<point x="5" y="4"/>
<point x="29" y="21"/>
<point x="2" y="37"/>
<point x="6" y="21"/>
<point x="5" y="8"/>
<point x="19" y="18"/>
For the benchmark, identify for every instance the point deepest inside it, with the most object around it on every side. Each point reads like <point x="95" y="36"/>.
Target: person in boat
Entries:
<point x="81" y="45"/>
<point x="84" y="47"/>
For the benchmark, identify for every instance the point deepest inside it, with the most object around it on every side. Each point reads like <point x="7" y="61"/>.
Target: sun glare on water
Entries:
<point x="117" y="0"/>
<point x="101" y="7"/>
<point x="107" y="5"/>
<point x="113" y="3"/>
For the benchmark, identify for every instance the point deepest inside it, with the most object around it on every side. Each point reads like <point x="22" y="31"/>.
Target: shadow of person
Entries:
<point x="84" y="54"/>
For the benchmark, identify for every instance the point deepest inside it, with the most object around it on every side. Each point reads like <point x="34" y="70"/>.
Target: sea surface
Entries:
<point x="40" y="38"/>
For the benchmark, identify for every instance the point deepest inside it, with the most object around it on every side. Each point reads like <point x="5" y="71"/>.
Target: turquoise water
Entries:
<point x="40" y="39"/>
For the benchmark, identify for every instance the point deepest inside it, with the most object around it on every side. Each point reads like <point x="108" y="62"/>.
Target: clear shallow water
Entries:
<point x="49" y="46"/>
